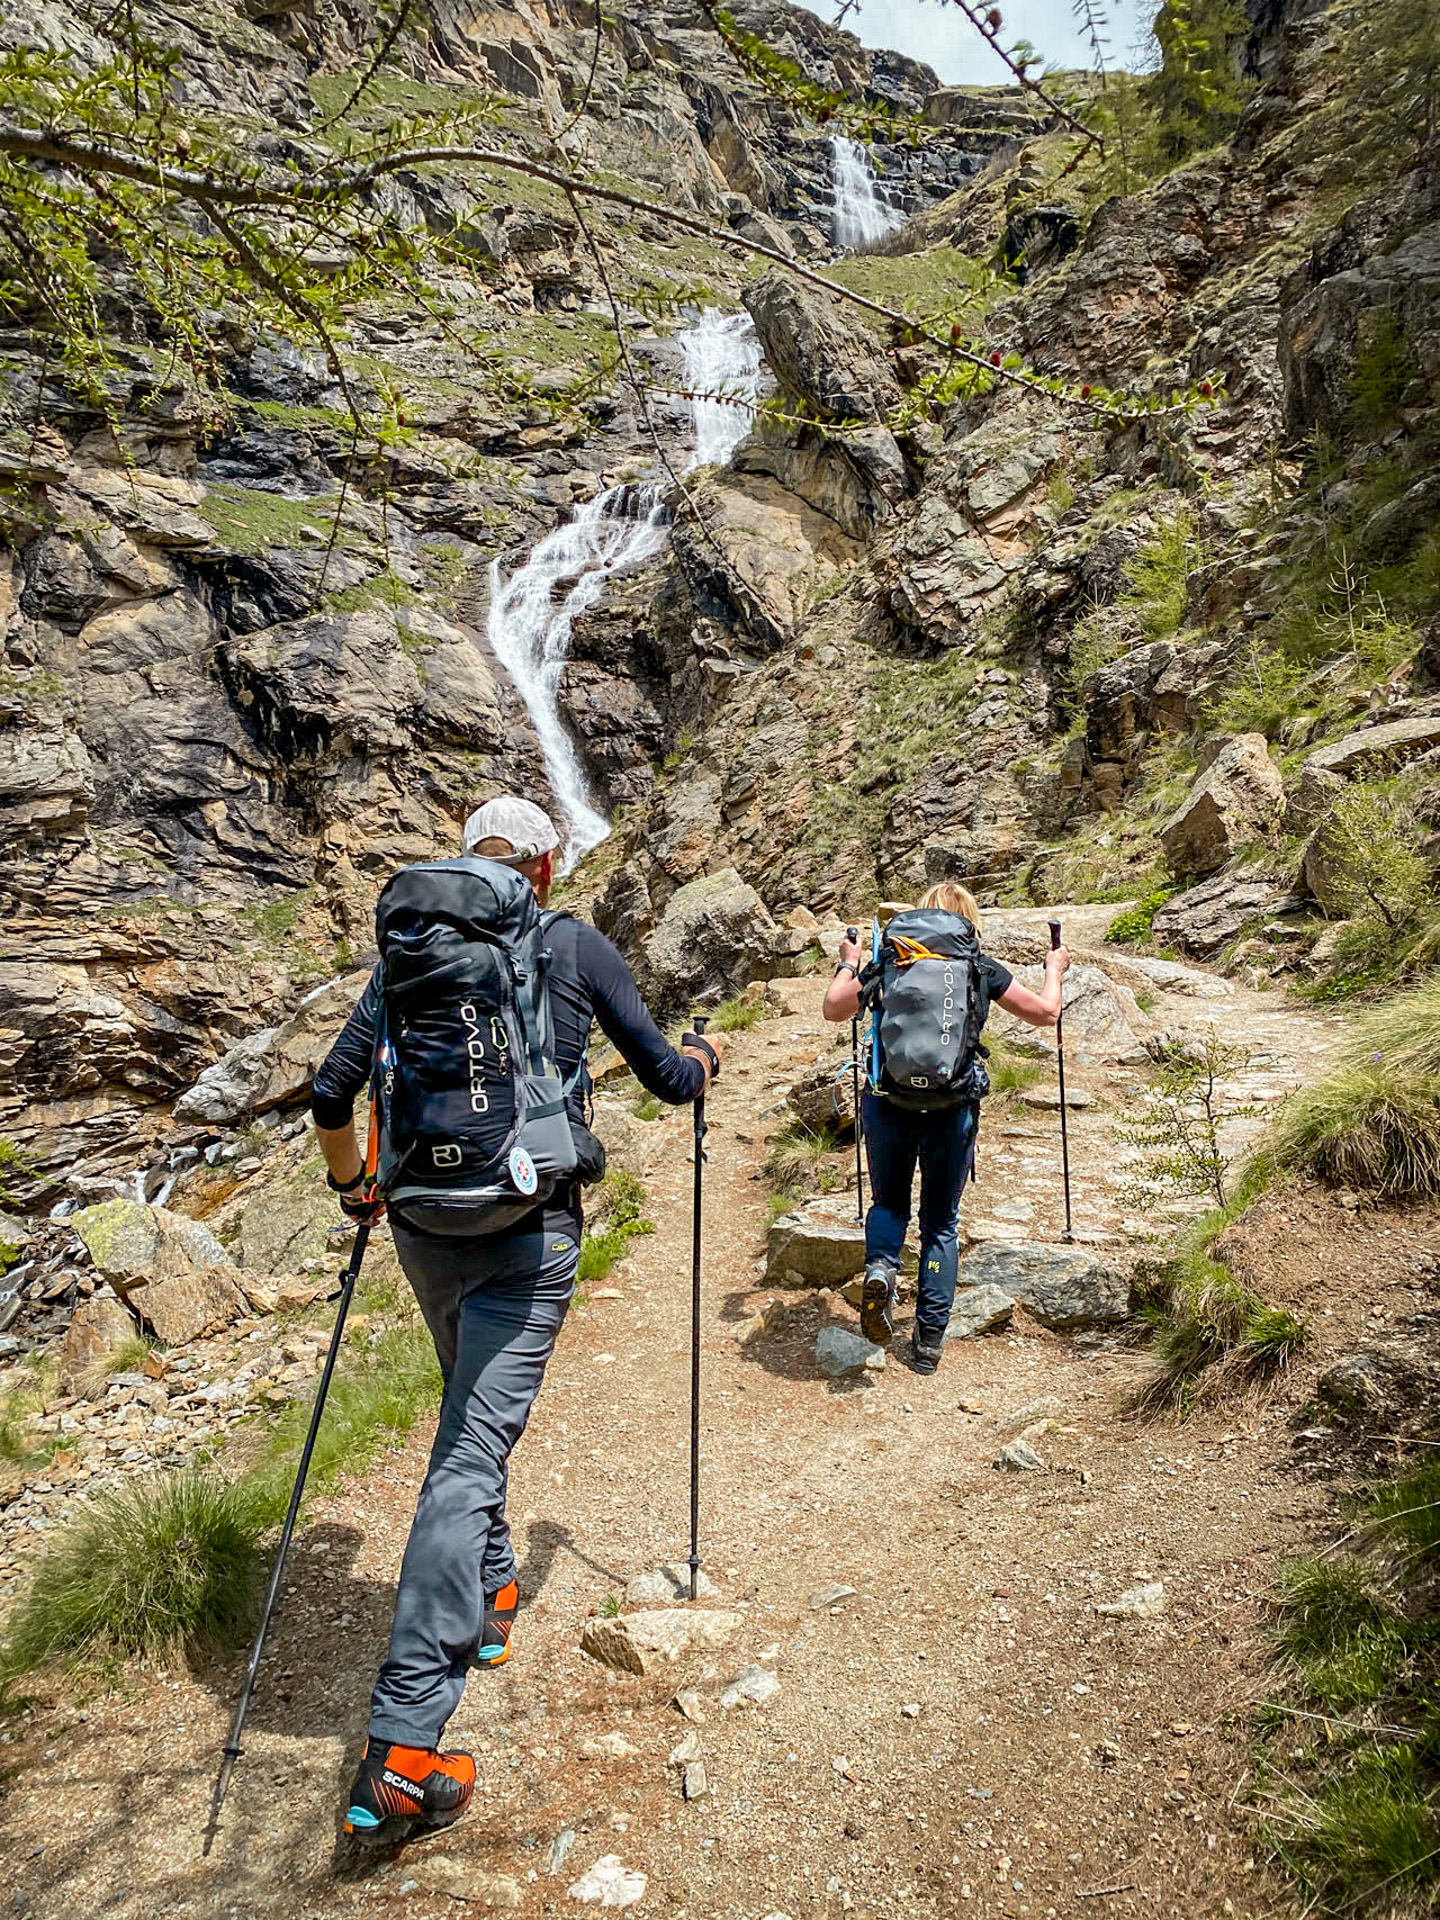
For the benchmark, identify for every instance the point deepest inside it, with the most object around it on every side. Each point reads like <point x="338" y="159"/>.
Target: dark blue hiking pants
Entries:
<point x="494" y="1309"/>
<point x="943" y="1146"/>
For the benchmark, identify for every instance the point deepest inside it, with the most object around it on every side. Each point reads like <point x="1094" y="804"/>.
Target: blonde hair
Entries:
<point x="951" y="897"/>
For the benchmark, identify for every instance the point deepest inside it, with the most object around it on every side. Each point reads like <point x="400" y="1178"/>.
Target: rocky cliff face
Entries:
<point x="244" y="678"/>
<point x="926" y="646"/>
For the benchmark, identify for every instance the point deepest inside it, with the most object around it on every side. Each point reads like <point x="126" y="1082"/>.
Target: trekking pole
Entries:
<point x="1060" y="1055"/>
<point x="853" y="934"/>
<point x="700" y="1130"/>
<point x="232" y="1749"/>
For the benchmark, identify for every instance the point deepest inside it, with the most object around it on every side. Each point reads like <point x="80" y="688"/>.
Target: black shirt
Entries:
<point x="589" y="982"/>
<point x="995" y="980"/>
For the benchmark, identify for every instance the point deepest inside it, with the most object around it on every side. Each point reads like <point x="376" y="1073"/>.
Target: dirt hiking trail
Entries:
<point x="964" y="1734"/>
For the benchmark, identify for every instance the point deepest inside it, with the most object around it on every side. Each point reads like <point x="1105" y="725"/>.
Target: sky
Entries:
<point x="942" y="37"/>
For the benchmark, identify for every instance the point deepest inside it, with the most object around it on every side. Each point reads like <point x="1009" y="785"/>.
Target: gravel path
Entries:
<point x="964" y="1734"/>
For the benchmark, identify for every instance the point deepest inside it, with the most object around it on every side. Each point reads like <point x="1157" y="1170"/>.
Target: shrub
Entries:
<point x="161" y="1565"/>
<point x="1370" y="842"/>
<point x="1136" y="923"/>
<point x="1178" y="1130"/>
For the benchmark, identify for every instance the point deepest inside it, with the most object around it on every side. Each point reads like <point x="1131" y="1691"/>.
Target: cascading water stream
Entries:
<point x="862" y="214"/>
<point x="722" y="358"/>
<point x="529" y="631"/>
<point x="533" y="612"/>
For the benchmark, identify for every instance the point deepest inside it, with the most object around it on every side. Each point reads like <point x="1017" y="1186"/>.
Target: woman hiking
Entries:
<point x="931" y="990"/>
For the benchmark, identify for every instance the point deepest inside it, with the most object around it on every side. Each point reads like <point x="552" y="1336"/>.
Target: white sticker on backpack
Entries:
<point x="522" y="1171"/>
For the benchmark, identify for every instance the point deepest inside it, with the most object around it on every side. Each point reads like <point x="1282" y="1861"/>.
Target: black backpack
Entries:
<point x="923" y="991"/>
<point x="473" y="1128"/>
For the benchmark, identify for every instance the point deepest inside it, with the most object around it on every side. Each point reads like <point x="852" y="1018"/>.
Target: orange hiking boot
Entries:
<point x="500" y="1608"/>
<point x="400" y="1788"/>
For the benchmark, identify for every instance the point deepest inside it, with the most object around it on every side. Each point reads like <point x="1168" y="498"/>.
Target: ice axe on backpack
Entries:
<point x="345" y="1291"/>
<point x="1060" y="1056"/>
<point x="853" y="934"/>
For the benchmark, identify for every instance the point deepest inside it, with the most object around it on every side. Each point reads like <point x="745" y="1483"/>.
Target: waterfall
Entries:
<point x="533" y="611"/>
<point x="862" y="213"/>
<point x="722" y="356"/>
<point x="529" y="632"/>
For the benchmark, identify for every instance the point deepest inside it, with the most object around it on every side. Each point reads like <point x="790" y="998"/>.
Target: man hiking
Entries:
<point x="481" y="1005"/>
<point x="931" y="990"/>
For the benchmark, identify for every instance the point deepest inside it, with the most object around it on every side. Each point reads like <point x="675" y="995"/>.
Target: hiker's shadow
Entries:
<point x="330" y="1630"/>
<point x="785" y="1347"/>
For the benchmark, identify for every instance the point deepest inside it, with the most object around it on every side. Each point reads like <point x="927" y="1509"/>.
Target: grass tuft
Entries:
<point x="1212" y="1336"/>
<point x="1374" y="1121"/>
<point x="378" y="1392"/>
<point x="739" y="1014"/>
<point x="798" y="1157"/>
<point x="1337" y="1631"/>
<point x="617" y="1215"/>
<point x="1356" y="1817"/>
<point x="1011" y="1071"/>
<point x="161" y="1565"/>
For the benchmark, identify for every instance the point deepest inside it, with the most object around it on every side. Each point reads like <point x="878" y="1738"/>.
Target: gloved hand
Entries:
<point x="362" y="1205"/>
<point x="359" y="1201"/>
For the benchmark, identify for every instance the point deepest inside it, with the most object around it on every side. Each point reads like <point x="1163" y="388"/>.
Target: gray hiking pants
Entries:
<point x="494" y="1310"/>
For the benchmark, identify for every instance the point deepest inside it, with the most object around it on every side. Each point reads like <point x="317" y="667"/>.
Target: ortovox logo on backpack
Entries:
<point x="923" y="994"/>
<point x="473" y="1128"/>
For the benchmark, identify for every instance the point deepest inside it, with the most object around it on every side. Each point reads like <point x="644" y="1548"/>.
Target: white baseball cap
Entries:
<point x="528" y="828"/>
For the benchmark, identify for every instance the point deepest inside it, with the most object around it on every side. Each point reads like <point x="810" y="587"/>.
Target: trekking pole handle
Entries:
<point x="1054" y="935"/>
<point x="852" y="933"/>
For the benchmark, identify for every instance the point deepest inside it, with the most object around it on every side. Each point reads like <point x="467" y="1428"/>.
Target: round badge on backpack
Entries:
<point x="522" y="1171"/>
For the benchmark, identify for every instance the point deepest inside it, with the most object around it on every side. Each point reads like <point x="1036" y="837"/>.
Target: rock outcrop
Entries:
<point x="1238" y="798"/>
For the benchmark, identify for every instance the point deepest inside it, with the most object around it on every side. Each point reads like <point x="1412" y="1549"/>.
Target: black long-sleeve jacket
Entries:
<point x="589" y="983"/>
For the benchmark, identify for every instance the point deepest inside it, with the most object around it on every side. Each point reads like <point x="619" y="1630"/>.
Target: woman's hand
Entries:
<point x="851" y="953"/>
<point x="1057" y="960"/>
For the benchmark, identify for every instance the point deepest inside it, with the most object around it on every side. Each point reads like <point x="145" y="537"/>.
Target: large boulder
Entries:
<point x="289" y="1220"/>
<point x="714" y="936"/>
<point x="1389" y="744"/>
<point x="1061" y="1286"/>
<point x="762" y="550"/>
<point x="1205" y="919"/>
<point x="1102" y="1017"/>
<point x="823" y="1098"/>
<point x="100" y="1327"/>
<point x="172" y="1271"/>
<point x="1311" y="798"/>
<point x="1238" y="798"/>
<point x="814" y="1246"/>
<point x="276" y="1065"/>
<point x="819" y="351"/>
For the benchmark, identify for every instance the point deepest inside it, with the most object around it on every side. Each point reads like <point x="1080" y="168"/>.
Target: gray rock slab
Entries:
<point x="830" y="1596"/>
<point x="1368" y="745"/>
<point x="979" y="1310"/>
<point x="1018" y="1457"/>
<point x="819" y="1245"/>
<point x="641" y="1642"/>
<point x="751" y="1687"/>
<point x="1061" y="1286"/>
<point x="1144" y="1601"/>
<point x="838" y="1351"/>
